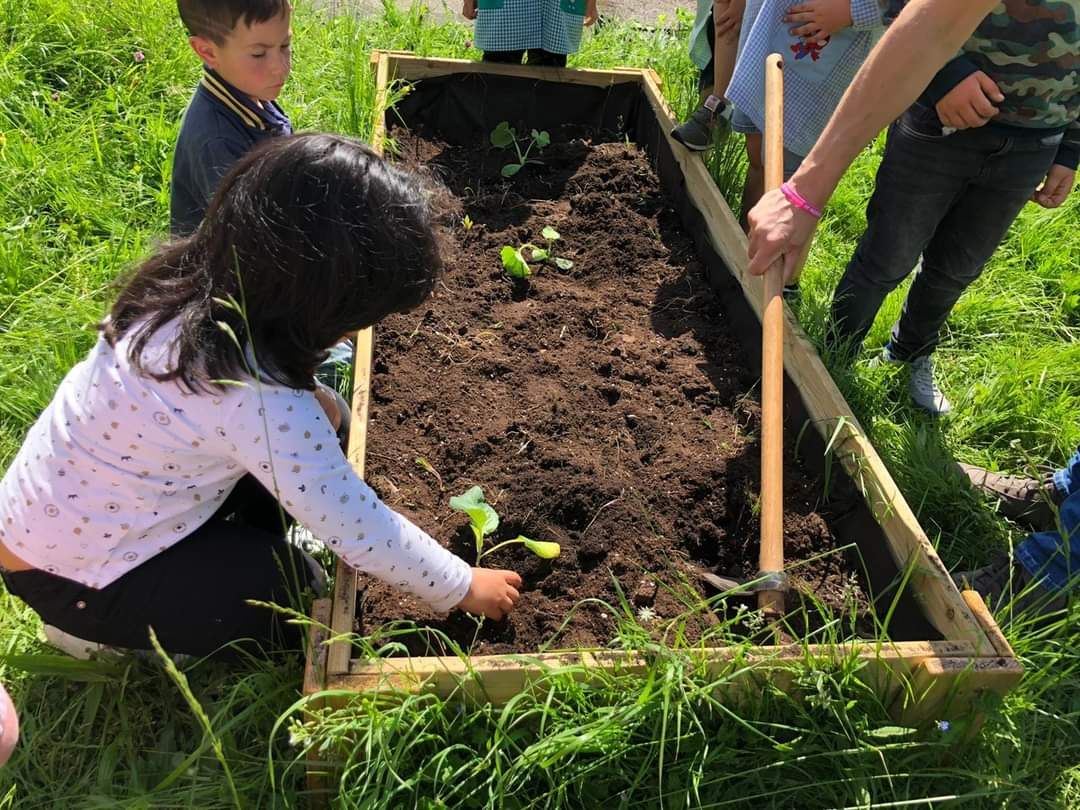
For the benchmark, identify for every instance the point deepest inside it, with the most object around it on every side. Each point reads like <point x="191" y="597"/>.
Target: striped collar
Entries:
<point x="268" y="117"/>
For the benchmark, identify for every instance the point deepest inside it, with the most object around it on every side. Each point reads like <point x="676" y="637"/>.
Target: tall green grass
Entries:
<point x="88" y="131"/>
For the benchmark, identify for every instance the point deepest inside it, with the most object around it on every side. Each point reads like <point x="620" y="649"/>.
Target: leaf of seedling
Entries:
<point x="483" y="520"/>
<point x="425" y="465"/>
<point x="541" y="548"/>
<point x="514" y="263"/>
<point x="510" y="169"/>
<point x="540" y="254"/>
<point x="541" y="138"/>
<point x="503" y="135"/>
<point x="563" y="264"/>
<point x="550" y="233"/>
<point x="466" y="222"/>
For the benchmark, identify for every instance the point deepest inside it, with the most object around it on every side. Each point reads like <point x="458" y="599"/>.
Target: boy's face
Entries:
<point x="255" y="59"/>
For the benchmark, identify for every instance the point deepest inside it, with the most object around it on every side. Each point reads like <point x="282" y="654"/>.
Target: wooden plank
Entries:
<point x="497" y="679"/>
<point x="989" y="626"/>
<point x="954" y="689"/>
<point x="409" y="67"/>
<point x="317" y="771"/>
<point x="345" y="582"/>
<point x="931" y="584"/>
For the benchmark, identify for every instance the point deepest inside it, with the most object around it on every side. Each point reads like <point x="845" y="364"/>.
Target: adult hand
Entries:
<point x="727" y="17"/>
<point x="493" y="593"/>
<point x="778" y="229"/>
<point x="971" y="103"/>
<point x="468" y="9"/>
<point x="817" y="20"/>
<point x="1055" y="188"/>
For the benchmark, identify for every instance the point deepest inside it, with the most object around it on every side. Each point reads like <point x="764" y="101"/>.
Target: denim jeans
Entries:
<point x="1055" y="555"/>
<point x="950" y="198"/>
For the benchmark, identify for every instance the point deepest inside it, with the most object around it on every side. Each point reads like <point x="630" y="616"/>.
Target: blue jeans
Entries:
<point x="1055" y="555"/>
<point x="950" y="198"/>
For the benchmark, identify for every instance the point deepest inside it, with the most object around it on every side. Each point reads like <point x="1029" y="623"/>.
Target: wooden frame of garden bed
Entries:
<point x="920" y="680"/>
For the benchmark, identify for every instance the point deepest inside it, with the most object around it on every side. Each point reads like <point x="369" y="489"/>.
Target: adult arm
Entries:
<point x="925" y="35"/>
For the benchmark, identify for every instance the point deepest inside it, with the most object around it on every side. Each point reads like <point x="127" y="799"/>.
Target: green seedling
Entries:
<point x="483" y="520"/>
<point x="467" y="223"/>
<point x="426" y="465"/>
<point x="515" y="264"/>
<point x="504" y="136"/>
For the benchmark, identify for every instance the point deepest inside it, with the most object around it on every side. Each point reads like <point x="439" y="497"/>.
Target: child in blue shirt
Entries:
<point x="245" y="49"/>
<point x="542" y="32"/>
<point x="823" y="42"/>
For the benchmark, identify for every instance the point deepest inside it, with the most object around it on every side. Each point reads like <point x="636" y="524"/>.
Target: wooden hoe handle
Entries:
<point x="771" y="596"/>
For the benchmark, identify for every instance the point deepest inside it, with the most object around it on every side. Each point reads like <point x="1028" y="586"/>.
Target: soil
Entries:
<point x="607" y="407"/>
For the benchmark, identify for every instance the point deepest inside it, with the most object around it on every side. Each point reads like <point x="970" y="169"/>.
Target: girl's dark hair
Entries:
<point x="315" y="236"/>
<point x="216" y="19"/>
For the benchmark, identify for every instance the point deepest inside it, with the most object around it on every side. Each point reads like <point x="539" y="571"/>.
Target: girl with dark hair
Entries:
<point x="156" y="487"/>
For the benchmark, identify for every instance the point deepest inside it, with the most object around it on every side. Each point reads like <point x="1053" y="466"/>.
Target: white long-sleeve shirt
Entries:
<point x="119" y="467"/>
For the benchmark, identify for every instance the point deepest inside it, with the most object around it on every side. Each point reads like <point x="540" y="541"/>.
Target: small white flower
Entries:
<point x="646" y="614"/>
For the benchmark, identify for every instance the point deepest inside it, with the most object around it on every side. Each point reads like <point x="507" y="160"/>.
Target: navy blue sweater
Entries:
<point x="219" y="126"/>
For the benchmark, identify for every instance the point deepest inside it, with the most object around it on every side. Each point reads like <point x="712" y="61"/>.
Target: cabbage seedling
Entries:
<point x="541" y="548"/>
<point x="513" y="259"/>
<point x="483" y="520"/>
<point x="505" y="135"/>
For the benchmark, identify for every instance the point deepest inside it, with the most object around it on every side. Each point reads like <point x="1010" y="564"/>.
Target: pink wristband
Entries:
<point x="799" y="201"/>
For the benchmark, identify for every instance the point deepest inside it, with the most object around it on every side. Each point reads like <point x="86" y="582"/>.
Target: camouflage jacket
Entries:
<point x="1031" y="48"/>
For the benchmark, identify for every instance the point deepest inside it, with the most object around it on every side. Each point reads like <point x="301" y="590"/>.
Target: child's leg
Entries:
<point x="965" y="240"/>
<point x="193" y="594"/>
<point x="538" y="56"/>
<point x="503" y="57"/>
<point x="725" y="47"/>
<point x="1067" y="479"/>
<point x="754" y="185"/>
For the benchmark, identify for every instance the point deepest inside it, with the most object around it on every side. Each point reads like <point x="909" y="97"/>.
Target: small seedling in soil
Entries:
<point x="513" y="259"/>
<point x="467" y="223"/>
<point x="483" y="520"/>
<point x="505" y="135"/>
<point x="425" y="465"/>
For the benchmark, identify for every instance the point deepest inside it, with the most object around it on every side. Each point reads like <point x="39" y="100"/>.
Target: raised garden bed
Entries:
<point x="611" y="407"/>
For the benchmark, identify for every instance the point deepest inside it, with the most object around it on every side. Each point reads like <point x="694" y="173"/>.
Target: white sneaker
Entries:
<point x="73" y="645"/>
<point x="924" y="391"/>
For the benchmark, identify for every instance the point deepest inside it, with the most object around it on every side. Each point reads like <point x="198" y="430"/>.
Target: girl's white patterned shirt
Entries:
<point x="119" y="467"/>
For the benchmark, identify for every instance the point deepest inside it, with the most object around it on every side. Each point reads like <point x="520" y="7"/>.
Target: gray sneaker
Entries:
<point x="698" y="132"/>
<point x="924" y="391"/>
<point x="1006" y="583"/>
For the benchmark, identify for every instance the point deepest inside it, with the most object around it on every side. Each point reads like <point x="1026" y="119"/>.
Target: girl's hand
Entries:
<point x="817" y="20"/>
<point x="591" y="12"/>
<point x="493" y="593"/>
<point x="468" y="9"/>
<point x="1056" y="187"/>
<point x="727" y="17"/>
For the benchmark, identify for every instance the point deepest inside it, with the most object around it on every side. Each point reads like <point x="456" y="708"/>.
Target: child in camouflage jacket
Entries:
<point x="995" y="128"/>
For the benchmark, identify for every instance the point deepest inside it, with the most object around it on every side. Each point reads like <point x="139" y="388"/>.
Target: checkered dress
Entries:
<point x="815" y="77"/>
<point x="518" y="25"/>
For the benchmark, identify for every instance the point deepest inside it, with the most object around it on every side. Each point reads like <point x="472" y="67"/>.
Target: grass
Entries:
<point x="86" y="134"/>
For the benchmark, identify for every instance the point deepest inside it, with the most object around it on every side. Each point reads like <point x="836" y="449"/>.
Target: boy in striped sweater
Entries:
<point x="245" y="48"/>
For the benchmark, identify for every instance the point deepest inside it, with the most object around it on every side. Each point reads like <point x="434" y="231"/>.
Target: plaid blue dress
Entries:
<point x="518" y="25"/>
<point x="815" y="77"/>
